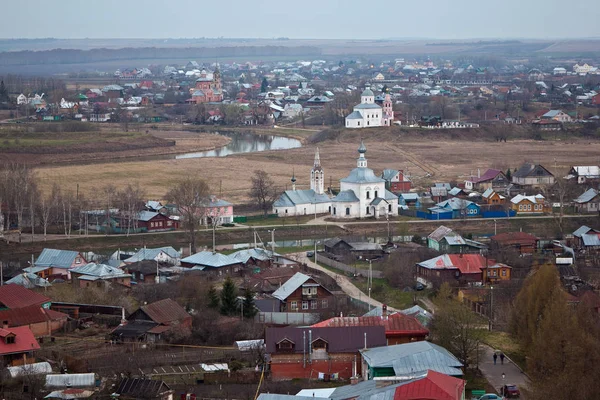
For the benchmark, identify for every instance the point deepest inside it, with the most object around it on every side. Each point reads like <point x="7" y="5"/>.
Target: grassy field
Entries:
<point x="446" y="158"/>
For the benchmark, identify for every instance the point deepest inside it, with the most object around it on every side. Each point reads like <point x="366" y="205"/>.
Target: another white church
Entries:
<point x="369" y="114"/>
<point x="362" y="194"/>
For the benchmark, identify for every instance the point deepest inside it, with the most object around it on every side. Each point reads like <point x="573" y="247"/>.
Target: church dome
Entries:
<point x="367" y="93"/>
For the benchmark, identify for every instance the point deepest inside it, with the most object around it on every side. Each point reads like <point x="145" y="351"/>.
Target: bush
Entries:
<point x="228" y="225"/>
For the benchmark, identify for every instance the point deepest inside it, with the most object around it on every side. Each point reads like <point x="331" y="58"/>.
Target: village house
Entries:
<point x="557" y="115"/>
<point x="14" y="297"/>
<point x="213" y="263"/>
<point x="41" y="321"/>
<point x="217" y="212"/>
<point x="408" y="359"/>
<point x="496" y="273"/>
<point x="302" y="293"/>
<point x="399" y="328"/>
<point x="458" y="208"/>
<point x="533" y="175"/>
<point x="521" y="242"/>
<point x="17" y="346"/>
<point x="353" y="249"/>
<point x="454" y="269"/>
<point x="312" y="352"/>
<point x="100" y="275"/>
<point x="587" y="239"/>
<point x="149" y="221"/>
<point x="588" y="202"/>
<point x="491" y="197"/>
<point x="530" y="204"/>
<point x="492" y="178"/>
<point x="29" y="280"/>
<point x="52" y="264"/>
<point x="146" y="271"/>
<point x="151" y="322"/>
<point x="166" y="255"/>
<point x="584" y="174"/>
<point x="396" y="181"/>
<point x="257" y="258"/>
<point x="445" y="240"/>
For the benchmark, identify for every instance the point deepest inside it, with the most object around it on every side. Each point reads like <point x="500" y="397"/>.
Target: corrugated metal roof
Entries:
<point x="100" y="271"/>
<point x="591" y="239"/>
<point x="210" y="259"/>
<point x="345" y="196"/>
<point x="297" y="197"/>
<point x="396" y="323"/>
<point x="70" y="394"/>
<point x="487" y="176"/>
<point x="258" y="254"/>
<point x="590" y="171"/>
<point x="537" y="199"/>
<point x="30" y="315"/>
<point x="147" y="215"/>
<point x="412" y="358"/>
<point x="14" y="296"/>
<point x="434" y="385"/>
<point x="164" y="311"/>
<point x="151" y="254"/>
<point x="465" y="263"/>
<point x="440" y="232"/>
<point x="290" y="286"/>
<point x="56" y="258"/>
<point x="70" y="380"/>
<point x="455" y="204"/>
<point x="389" y="174"/>
<point x="29" y="280"/>
<point x="355" y="115"/>
<point x="587" y="196"/>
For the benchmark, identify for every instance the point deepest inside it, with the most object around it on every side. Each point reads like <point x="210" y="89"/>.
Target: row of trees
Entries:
<point x="228" y="302"/>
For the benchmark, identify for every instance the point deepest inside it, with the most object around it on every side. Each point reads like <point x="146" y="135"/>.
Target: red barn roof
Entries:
<point x="165" y="311"/>
<point x="465" y="263"/>
<point x="24" y="341"/>
<point x="514" y="238"/>
<point x="30" y="315"/>
<point x="434" y="386"/>
<point x="14" y="296"/>
<point x="394" y="324"/>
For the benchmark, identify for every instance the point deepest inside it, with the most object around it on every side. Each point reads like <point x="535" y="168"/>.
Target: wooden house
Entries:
<point x="453" y="268"/>
<point x="492" y="178"/>
<point x="303" y="294"/>
<point x="213" y="263"/>
<point x="522" y="242"/>
<point x="491" y="197"/>
<point x="533" y="175"/>
<point x="588" y="202"/>
<point x="17" y="345"/>
<point x="396" y="181"/>
<point x="530" y="204"/>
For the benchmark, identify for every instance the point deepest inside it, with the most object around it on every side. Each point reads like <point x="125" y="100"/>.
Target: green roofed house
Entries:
<point x="409" y="359"/>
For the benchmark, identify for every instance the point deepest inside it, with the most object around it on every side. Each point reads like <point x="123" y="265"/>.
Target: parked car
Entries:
<point x="510" y="391"/>
<point x="491" y="396"/>
<point x="310" y="254"/>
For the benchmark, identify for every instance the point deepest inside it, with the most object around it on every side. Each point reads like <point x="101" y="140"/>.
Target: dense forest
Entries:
<point x="67" y="56"/>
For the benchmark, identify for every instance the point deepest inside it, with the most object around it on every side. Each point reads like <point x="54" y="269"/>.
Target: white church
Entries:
<point x="362" y="194"/>
<point x="369" y="114"/>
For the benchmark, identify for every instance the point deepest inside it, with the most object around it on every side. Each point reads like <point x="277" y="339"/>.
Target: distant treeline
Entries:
<point x="479" y="43"/>
<point x="66" y="56"/>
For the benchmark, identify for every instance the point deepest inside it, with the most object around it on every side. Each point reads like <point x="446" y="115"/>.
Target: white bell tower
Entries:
<point x="317" y="176"/>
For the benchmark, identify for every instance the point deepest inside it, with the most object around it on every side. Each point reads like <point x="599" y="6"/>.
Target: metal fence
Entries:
<point x="347" y="268"/>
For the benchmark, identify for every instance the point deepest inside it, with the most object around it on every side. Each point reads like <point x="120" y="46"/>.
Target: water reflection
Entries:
<point x="246" y="143"/>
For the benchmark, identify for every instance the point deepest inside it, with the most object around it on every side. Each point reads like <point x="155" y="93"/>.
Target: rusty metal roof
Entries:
<point x="165" y="311"/>
<point x="397" y="323"/>
<point x="30" y="315"/>
<point x="14" y="296"/>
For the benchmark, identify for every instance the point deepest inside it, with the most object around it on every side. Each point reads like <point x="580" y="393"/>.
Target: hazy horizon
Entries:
<point x="311" y="19"/>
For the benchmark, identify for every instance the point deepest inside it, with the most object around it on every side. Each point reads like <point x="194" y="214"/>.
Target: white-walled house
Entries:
<point x="368" y="114"/>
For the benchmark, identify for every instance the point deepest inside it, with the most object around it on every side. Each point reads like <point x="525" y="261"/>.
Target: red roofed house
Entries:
<point x="151" y="321"/>
<point x="15" y="296"/>
<point x="453" y="268"/>
<point x="523" y="242"/>
<point x="434" y="386"/>
<point x="41" y="321"/>
<point x="399" y="328"/>
<point x="17" y="345"/>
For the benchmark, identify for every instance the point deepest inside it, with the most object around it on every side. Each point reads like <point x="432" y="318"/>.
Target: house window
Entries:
<point x="313" y="304"/>
<point x="141" y="276"/>
<point x="305" y="305"/>
<point x="503" y="272"/>
<point x="78" y="260"/>
<point x="324" y="303"/>
<point x="294" y="305"/>
<point x="307" y="291"/>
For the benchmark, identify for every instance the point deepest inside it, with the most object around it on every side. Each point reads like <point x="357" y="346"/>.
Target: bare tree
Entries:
<point x="109" y="192"/>
<point x="191" y="196"/>
<point x="67" y="201"/>
<point x="562" y="191"/>
<point x="263" y="190"/>
<point x="131" y="200"/>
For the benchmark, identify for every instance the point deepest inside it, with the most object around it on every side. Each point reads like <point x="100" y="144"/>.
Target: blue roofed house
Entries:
<point x="363" y="194"/>
<point x="161" y="254"/>
<point x="587" y="239"/>
<point x="53" y="263"/>
<point x="305" y="202"/>
<point x="213" y="263"/>
<point x="445" y="240"/>
<point x="459" y="208"/>
<point x="589" y="201"/>
<point x="408" y="359"/>
<point x="100" y="275"/>
<point x="407" y="200"/>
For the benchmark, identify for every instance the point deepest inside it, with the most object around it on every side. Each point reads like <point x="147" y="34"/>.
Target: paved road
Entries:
<point x="493" y="373"/>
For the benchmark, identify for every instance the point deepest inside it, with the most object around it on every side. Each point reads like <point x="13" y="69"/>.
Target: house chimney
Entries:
<point x="478" y="173"/>
<point x="4" y="324"/>
<point x="384" y="311"/>
<point x="123" y="320"/>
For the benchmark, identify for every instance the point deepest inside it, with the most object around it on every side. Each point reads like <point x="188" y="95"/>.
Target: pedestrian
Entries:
<point x="495" y="358"/>
<point x="502" y="358"/>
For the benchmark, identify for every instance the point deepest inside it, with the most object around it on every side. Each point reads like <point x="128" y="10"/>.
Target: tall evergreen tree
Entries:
<point x="249" y="307"/>
<point x="264" y="86"/>
<point x="228" y="297"/>
<point x="508" y="174"/>
<point x="3" y="93"/>
<point x="213" y="298"/>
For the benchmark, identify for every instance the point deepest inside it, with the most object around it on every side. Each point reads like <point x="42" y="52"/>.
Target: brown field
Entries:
<point x="445" y="158"/>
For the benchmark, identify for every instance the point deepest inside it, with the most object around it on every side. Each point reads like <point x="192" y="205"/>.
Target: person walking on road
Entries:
<point x="502" y="358"/>
<point x="495" y="356"/>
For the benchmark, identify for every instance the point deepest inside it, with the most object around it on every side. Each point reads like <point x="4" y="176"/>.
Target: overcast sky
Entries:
<point x="321" y="19"/>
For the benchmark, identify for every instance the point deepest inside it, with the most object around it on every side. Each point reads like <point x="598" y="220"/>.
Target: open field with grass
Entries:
<point x="441" y="154"/>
